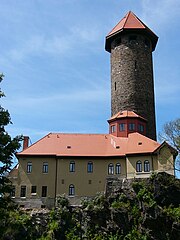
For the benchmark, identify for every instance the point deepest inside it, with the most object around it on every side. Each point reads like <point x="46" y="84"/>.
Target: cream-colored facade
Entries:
<point x="78" y="177"/>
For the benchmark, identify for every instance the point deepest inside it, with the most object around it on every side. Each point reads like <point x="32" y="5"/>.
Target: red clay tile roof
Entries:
<point x="130" y="22"/>
<point x="125" y="114"/>
<point x="89" y="145"/>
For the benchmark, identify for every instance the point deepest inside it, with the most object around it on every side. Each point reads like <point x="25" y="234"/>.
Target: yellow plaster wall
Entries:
<point x="165" y="160"/>
<point x="80" y="178"/>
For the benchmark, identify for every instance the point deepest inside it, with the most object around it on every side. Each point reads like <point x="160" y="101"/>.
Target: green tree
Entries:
<point x="8" y="147"/>
<point x="171" y="134"/>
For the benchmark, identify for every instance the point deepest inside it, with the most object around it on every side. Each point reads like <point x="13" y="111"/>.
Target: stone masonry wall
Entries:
<point x="132" y="86"/>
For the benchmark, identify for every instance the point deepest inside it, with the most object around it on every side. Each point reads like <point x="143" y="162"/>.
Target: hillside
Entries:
<point x="135" y="209"/>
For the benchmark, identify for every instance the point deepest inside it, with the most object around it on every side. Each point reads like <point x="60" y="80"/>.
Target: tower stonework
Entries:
<point x="131" y="44"/>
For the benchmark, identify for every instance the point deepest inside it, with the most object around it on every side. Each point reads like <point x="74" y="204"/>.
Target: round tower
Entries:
<point x="131" y="44"/>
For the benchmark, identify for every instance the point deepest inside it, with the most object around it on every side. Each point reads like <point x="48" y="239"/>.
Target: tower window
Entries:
<point x="113" y="128"/>
<point x="115" y="86"/>
<point x="72" y="167"/>
<point x="138" y="166"/>
<point x="131" y="126"/>
<point x="132" y="38"/>
<point x="110" y="169"/>
<point x="146" y="166"/>
<point x="122" y="127"/>
<point x="71" y="190"/>
<point x="140" y="128"/>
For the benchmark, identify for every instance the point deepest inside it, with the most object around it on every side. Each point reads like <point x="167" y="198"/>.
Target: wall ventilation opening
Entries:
<point x="68" y="147"/>
<point x="139" y="143"/>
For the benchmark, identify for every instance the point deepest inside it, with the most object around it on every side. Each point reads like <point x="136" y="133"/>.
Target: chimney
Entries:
<point x="25" y="142"/>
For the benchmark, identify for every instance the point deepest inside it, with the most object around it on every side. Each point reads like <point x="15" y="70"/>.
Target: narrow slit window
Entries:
<point x="135" y="65"/>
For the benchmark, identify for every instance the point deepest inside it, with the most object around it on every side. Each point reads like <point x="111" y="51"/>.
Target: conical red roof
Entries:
<point x="130" y="22"/>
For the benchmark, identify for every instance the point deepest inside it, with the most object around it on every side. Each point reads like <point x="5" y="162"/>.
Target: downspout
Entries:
<point x="55" y="191"/>
<point x="152" y="160"/>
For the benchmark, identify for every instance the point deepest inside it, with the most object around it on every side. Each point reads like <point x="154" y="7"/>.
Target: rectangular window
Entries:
<point x="90" y="167"/>
<point x="140" y="128"/>
<point x="29" y="167"/>
<point x="131" y="126"/>
<point x="72" y="167"/>
<point x="44" y="191"/>
<point x="45" y="167"/>
<point x="122" y="127"/>
<point x="33" y="190"/>
<point x="13" y="191"/>
<point x="113" y="128"/>
<point x="23" y="191"/>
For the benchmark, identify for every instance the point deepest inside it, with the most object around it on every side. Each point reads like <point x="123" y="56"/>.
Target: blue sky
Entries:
<point x="57" y="73"/>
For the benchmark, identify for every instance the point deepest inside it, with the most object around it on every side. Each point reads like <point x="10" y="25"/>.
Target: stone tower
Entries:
<point x="131" y="44"/>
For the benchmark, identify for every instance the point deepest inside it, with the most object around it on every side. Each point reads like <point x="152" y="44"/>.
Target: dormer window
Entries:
<point x="113" y="128"/>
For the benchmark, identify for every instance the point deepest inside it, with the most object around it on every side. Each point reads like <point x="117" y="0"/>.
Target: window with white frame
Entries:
<point x="110" y="169"/>
<point x="139" y="166"/>
<point x="146" y="166"/>
<point x="71" y="190"/>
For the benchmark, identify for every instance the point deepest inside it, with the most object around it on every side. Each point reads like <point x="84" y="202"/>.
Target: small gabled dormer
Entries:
<point x="125" y="122"/>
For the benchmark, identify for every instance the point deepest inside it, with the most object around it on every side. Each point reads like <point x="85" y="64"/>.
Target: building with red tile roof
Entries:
<point x="78" y="165"/>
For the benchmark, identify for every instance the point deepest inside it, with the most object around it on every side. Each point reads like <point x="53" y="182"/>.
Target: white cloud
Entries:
<point x="161" y="12"/>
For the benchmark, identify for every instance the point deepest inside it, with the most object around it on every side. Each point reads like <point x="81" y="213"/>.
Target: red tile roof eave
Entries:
<point x="69" y="155"/>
